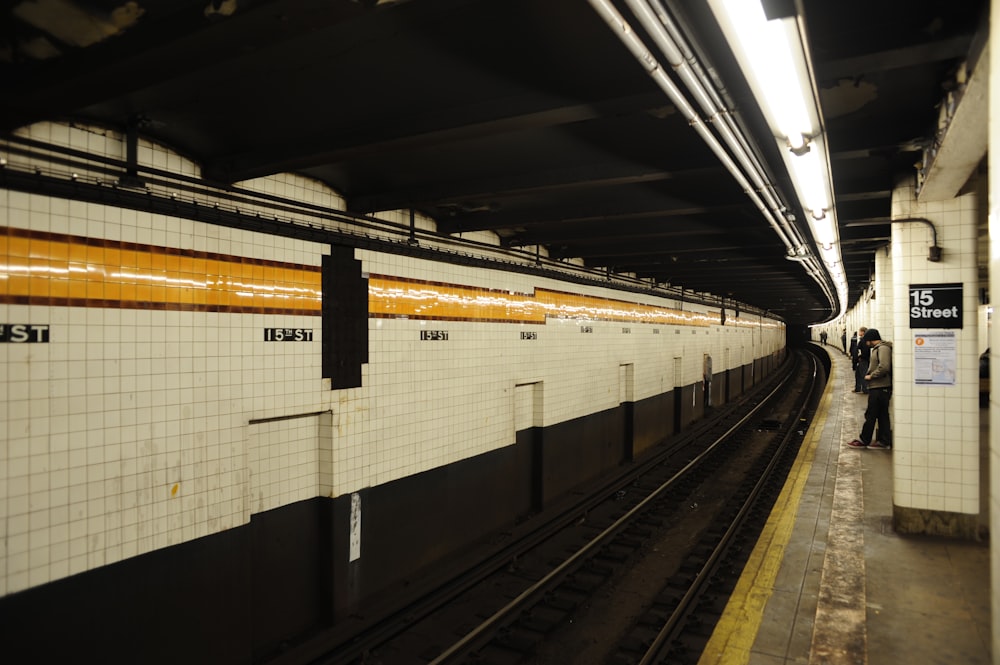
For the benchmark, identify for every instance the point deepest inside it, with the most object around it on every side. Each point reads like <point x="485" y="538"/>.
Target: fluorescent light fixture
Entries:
<point x="808" y="172"/>
<point x="770" y="54"/>
<point x="831" y="258"/>
<point x="774" y="59"/>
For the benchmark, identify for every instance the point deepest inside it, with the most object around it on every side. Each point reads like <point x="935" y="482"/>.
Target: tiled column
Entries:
<point x="935" y="426"/>
<point x="994" y="267"/>
<point x="881" y="309"/>
<point x="860" y="315"/>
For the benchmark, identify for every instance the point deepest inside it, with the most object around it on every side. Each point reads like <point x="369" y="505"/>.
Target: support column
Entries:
<point x="881" y="310"/>
<point x="994" y="267"/>
<point x="936" y="454"/>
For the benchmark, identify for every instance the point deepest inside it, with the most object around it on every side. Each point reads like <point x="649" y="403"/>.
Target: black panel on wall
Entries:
<point x="292" y="577"/>
<point x="718" y="389"/>
<point x="345" y="318"/>
<point x="628" y="436"/>
<point x="653" y="421"/>
<point x="692" y="403"/>
<point x="533" y="439"/>
<point x="189" y="603"/>
<point x="578" y="451"/>
<point x="411" y="524"/>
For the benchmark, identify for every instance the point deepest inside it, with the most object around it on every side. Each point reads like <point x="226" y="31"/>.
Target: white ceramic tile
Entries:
<point x="146" y="413"/>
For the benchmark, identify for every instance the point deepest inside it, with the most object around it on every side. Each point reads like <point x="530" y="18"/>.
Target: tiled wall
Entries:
<point x="882" y="307"/>
<point x="993" y="207"/>
<point x="126" y="431"/>
<point x="158" y="411"/>
<point x="936" y="427"/>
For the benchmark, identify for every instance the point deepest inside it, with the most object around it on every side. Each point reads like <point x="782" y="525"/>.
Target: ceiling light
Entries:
<point x="774" y="58"/>
<point x="770" y="53"/>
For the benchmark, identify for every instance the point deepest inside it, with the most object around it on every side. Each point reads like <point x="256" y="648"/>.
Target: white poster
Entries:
<point x="934" y="358"/>
<point x="354" y="541"/>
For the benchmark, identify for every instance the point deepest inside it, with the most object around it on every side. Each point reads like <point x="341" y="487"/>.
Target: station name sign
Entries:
<point x="936" y="305"/>
<point x="24" y="333"/>
<point x="288" y="334"/>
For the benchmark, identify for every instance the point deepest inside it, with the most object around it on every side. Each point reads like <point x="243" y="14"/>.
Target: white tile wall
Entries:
<point x="130" y="431"/>
<point x="993" y="206"/>
<point x="936" y="428"/>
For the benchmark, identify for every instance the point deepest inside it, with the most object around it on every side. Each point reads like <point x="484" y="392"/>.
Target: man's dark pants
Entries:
<point x="877" y="412"/>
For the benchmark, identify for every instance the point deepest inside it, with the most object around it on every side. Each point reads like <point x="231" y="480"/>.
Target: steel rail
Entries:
<point x="701" y="579"/>
<point x="491" y="624"/>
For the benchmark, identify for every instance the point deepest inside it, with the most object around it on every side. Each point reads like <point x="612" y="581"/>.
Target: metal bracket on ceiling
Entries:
<point x="131" y="178"/>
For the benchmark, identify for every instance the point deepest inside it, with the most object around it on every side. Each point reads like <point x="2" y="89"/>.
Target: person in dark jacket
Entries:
<point x="879" y="378"/>
<point x="861" y="361"/>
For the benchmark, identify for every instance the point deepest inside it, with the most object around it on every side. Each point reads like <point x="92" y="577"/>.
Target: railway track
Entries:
<point x="637" y="573"/>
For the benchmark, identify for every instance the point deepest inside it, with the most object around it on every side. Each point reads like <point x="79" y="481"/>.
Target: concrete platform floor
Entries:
<point x="831" y="583"/>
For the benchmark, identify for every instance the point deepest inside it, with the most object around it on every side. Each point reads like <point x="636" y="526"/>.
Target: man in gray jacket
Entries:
<point x="879" y="378"/>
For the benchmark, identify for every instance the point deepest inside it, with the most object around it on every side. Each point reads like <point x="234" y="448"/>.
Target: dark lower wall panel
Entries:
<point x="412" y="523"/>
<point x="290" y="576"/>
<point x="692" y="403"/>
<point x="189" y="603"/>
<point x="654" y="421"/>
<point x="241" y="596"/>
<point x="736" y="385"/>
<point x="718" y="389"/>
<point x="578" y="451"/>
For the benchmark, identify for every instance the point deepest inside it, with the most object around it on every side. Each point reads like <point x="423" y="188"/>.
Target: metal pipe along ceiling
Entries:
<point x="657" y="22"/>
<point x="653" y="68"/>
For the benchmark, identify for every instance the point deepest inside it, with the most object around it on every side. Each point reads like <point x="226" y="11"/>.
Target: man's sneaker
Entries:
<point x="857" y="443"/>
<point x="879" y="445"/>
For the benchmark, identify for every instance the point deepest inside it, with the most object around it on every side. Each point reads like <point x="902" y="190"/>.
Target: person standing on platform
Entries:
<point x="861" y="361"/>
<point x="822" y="337"/>
<point x="879" y="378"/>
<point x="843" y="340"/>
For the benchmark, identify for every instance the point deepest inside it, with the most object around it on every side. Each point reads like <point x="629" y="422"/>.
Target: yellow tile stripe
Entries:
<point x="395" y="297"/>
<point x="568" y="305"/>
<point x="390" y="297"/>
<point x="42" y="268"/>
<point x="734" y="635"/>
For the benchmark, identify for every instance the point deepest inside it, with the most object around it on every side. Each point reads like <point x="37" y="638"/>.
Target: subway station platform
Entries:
<point x="830" y="582"/>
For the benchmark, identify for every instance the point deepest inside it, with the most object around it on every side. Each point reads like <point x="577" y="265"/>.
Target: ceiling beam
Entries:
<point x="965" y="137"/>
<point x="524" y="183"/>
<point x="566" y="218"/>
<point x="586" y="237"/>
<point x="882" y="61"/>
<point x="431" y="129"/>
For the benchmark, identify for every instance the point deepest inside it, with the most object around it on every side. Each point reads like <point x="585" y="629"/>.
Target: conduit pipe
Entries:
<point x="669" y="39"/>
<point x="679" y="55"/>
<point x="653" y="68"/>
<point x="716" y="93"/>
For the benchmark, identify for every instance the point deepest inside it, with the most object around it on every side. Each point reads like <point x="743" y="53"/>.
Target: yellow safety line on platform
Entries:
<point x="736" y="631"/>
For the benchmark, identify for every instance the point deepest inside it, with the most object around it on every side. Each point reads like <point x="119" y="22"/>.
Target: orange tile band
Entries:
<point x="40" y="268"/>
<point x="390" y="297"/>
<point x="56" y="269"/>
